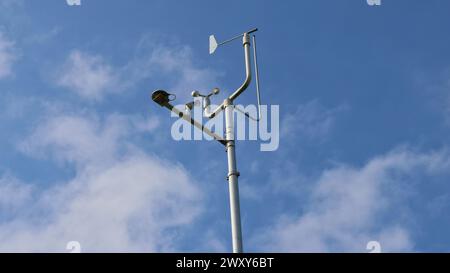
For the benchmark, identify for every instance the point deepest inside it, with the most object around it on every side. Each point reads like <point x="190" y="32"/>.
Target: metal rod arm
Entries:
<point x="238" y="36"/>
<point x="255" y="58"/>
<point x="192" y="121"/>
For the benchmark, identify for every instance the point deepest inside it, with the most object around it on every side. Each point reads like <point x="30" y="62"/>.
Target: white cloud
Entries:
<point x="5" y="4"/>
<point x="85" y="140"/>
<point x="308" y="123"/>
<point x="92" y="77"/>
<point x="13" y="194"/>
<point x="77" y="139"/>
<point x="11" y="10"/>
<point x="347" y="203"/>
<point x="178" y="62"/>
<point x="7" y="56"/>
<point x="433" y="90"/>
<point x="120" y="199"/>
<point x="212" y="242"/>
<point x="145" y="124"/>
<point x="311" y="120"/>
<point x="44" y="37"/>
<point x="88" y="75"/>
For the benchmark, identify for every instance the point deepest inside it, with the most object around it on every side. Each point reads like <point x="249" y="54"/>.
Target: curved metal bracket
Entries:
<point x="245" y="84"/>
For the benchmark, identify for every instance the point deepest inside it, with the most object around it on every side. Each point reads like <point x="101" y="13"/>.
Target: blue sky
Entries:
<point x="364" y="122"/>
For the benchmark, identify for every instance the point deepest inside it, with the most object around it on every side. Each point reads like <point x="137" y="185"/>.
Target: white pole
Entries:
<point x="233" y="174"/>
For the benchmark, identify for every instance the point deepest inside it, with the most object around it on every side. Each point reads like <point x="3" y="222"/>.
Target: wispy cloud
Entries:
<point x="178" y="62"/>
<point x="307" y="124"/>
<point x="8" y="55"/>
<point x="445" y="89"/>
<point x="310" y="121"/>
<point x="347" y="203"/>
<point x="434" y="90"/>
<point x="88" y="75"/>
<point x="77" y="139"/>
<point x="92" y="77"/>
<point x="120" y="198"/>
<point x="5" y="4"/>
<point x="13" y="194"/>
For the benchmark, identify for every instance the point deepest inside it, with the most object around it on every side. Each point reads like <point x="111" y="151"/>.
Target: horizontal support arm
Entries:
<point x="192" y="121"/>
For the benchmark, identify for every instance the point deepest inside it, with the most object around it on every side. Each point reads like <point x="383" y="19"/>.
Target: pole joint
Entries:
<point x="236" y="173"/>
<point x="230" y="143"/>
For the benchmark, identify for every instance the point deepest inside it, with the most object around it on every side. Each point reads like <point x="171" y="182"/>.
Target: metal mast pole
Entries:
<point x="232" y="178"/>
<point x="233" y="174"/>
